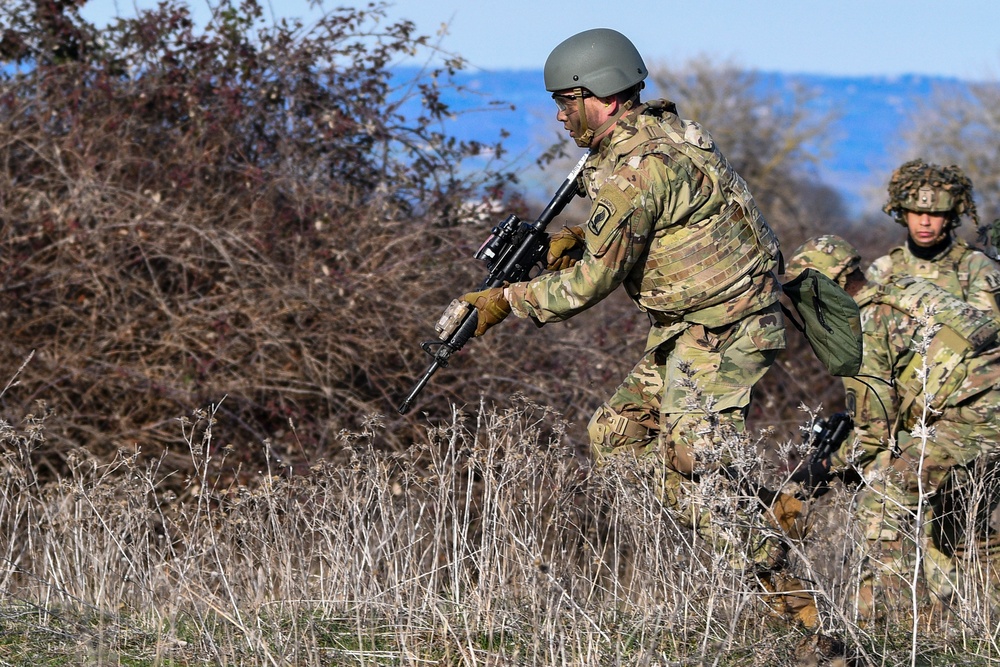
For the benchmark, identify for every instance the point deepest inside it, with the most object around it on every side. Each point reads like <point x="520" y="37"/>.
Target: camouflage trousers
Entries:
<point x="952" y="482"/>
<point x="682" y="411"/>
<point x="685" y="388"/>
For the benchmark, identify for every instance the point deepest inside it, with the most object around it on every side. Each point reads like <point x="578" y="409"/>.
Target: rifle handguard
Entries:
<point x="491" y="307"/>
<point x="452" y="318"/>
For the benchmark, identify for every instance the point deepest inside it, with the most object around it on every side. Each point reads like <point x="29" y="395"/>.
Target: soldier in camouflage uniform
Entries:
<point x="676" y="226"/>
<point x="929" y="200"/>
<point x="926" y="422"/>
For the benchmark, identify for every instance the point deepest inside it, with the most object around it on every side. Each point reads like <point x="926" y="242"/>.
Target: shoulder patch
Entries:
<point x="851" y="401"/>
<point x="993" y="281"/>
<point x="603" y="211"/>
<point x="611" y="203"/>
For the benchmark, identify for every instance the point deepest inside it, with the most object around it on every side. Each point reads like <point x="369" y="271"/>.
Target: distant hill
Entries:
<point x="872" y="111"/>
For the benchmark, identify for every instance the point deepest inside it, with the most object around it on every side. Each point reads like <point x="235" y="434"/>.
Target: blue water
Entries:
<point x="864" y="140"/>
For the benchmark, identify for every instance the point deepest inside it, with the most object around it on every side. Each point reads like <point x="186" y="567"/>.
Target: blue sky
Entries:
<point x="959" y="38"/>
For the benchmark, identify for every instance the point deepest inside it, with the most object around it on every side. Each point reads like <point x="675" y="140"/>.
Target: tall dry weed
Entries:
<point x="489" y="542"/>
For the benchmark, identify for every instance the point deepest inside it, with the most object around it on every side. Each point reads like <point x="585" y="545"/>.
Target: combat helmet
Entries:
<point x="922" y="187"/>
<point x="601" y="60"/>
<point x="829" y="254"/>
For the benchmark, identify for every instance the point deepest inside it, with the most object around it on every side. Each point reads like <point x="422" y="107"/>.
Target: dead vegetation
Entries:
<point x="239" y="217"/>
<point x="485" y="543"/>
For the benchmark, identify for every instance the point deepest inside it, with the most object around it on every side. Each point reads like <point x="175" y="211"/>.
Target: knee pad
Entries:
<point x="609" y="431"/>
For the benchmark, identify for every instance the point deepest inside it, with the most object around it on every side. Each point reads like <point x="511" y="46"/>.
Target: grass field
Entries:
<point x="489" y="544"/>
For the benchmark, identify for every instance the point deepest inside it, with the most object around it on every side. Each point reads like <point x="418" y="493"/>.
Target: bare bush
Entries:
<point x="241" y="215"/>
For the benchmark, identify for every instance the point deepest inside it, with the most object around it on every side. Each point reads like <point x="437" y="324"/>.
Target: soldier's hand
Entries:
<point x="561" y="247"/>
<point x="813" y="476"/>
<point x="491" y="307"/>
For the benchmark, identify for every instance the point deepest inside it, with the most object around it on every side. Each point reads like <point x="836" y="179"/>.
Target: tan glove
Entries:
<point x="560" y="244"/>
<point x="491" y="307"/>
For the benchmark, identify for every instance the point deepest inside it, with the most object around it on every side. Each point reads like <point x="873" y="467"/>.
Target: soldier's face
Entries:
<point x="594" y="109"/>
<point x="570" y="107"/>
<point x="926" y="229"/>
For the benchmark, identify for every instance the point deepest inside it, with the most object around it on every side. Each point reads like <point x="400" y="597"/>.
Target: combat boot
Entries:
<point x="821" y="649"/>
<point x="790" y="598"/>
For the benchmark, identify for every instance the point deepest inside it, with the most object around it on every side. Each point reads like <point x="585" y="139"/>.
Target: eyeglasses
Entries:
<point x="563" y="101"/>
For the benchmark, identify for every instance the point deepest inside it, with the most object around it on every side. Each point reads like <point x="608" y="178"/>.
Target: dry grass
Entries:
<point x="487" y="543"/>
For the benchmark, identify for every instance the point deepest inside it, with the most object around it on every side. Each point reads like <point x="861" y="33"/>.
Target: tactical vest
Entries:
<point x="693" y="265"/>
<point x="957" y="333"/>
<point x="949" y="274"/>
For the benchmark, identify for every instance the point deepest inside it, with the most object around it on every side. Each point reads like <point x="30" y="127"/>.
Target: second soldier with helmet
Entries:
<point x="930" y="201"/>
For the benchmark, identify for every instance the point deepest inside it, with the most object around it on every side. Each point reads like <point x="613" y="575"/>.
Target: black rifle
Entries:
<point x="824" y="439"/>
<point x="512" y="251"/>
<point x="828" y="434"/>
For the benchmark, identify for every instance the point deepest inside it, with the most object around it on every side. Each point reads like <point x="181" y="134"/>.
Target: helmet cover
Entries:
<point x="829" y="254"/>
<point x="929" y="188"/>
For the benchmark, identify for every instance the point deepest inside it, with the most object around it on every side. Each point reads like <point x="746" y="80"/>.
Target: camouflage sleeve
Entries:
<point x="984" y="284"/>
<point x="640" y="196"/>
<point x="870" y="396"/>
<point x="880" y="270"/>
<point x="615" y="236"/>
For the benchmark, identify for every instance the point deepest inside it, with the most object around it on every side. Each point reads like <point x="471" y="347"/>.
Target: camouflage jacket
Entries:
<point x="672" y="222"/>
<point x="961" y="270"/>
<point x="904" y="322"/>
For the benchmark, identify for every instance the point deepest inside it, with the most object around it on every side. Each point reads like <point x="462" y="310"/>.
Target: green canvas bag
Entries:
<point x="831" y="321"/>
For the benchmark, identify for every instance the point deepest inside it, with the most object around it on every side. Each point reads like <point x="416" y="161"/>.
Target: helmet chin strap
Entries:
<point x="585" y="136"/>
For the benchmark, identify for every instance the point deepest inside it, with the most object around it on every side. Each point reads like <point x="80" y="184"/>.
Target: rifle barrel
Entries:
<point x="404" y="407"/>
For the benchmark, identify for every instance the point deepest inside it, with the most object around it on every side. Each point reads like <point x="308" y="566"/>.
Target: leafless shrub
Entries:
<point x="241" y="216"/>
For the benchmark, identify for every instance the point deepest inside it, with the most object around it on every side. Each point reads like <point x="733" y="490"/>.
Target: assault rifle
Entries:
<point x="825" y="438"/>
<point x="515" y="247"/>
<point x="828" y="434"/>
